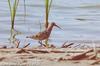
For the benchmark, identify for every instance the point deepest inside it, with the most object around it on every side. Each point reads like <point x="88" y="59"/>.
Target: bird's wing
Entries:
<point x="42" y="34"/>
<point x="39" y="34"/>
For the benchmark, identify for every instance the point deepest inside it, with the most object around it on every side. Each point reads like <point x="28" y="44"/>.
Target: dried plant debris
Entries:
<point x="96" y="62"/>
<point x="26" y="45"/>
<point x="17" y="42"/>
<point x="2" y="58"/>
<point x="3" y="46"/>
<point x="22" y="51"/>
<point x="66" y="45"/>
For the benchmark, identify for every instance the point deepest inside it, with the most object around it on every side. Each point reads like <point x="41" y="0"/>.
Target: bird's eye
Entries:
<point x="36" y="36"/>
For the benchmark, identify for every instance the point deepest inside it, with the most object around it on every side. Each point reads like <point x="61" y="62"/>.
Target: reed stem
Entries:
<point x="47" y="11"/>
<point x="13" y="10"/>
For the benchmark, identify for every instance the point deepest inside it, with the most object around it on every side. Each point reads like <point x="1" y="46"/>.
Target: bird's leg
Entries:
<point x="40" y="42"/>
<point x="46" y="43"/>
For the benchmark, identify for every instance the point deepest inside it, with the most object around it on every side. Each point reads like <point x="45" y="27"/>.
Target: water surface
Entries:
<point x="80" y="20"/>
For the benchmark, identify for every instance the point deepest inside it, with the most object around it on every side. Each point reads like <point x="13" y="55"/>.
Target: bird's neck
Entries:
<point x="50" y="28"/>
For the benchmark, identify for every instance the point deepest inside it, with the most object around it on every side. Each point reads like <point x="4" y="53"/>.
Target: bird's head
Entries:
<point x="54" y="24"/>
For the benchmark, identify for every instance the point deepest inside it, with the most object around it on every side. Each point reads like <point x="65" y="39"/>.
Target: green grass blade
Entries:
<point x="15" y="5"/>
<point x="49" y="7"/>
<point x="47" y="10"/>
<point x="10" y="9"/>
<point x="13" y="9"/>
<point x="46" y="13"/>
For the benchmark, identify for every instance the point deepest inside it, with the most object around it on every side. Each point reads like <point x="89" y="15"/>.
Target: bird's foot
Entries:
<point x="41" y="44"/>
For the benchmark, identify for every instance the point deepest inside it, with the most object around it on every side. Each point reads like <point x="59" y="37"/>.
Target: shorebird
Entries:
<point x="44" y="34"/>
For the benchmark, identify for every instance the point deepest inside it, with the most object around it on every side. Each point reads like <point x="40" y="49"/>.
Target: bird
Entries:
<point x="43" y="35"/>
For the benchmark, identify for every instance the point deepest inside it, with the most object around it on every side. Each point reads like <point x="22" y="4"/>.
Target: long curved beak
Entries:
<point x="58" y="26"/>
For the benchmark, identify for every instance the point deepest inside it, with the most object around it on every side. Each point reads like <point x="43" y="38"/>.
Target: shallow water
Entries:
<point x="80" y="20"/>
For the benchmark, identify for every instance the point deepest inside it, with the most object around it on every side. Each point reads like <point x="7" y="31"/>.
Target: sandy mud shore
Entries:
<point x="48" y="57"/>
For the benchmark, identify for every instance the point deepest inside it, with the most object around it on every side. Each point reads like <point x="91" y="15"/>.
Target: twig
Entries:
<point x="91" y="50"/>
<point x="80" y="56"/>
<point x="2" y="46"/>
<point x="38" y="51"/>
<point x="26" y="45"/>
<point x="57" y="51"/>
<point x="17" y="43"/>
<point x="2" y="58"/>
<point x="22" y="51"/>
<point x="92" y="57"/>
<point x="95" y="62"/>
<point x="65" y="46"/>
<point x="77" y="45"/>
